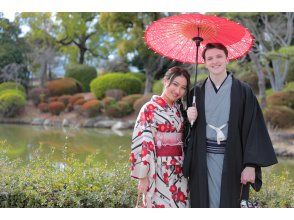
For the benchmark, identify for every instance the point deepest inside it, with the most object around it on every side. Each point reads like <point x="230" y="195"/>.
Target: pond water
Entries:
<point x="107" y="146"/>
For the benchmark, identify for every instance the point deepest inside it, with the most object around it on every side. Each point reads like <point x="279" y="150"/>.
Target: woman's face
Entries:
<point x="216" y="61"/>
<point x="174" y="90"/>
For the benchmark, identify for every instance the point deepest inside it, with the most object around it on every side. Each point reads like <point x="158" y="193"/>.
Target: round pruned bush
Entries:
<point x="43" y="107"/>
<point x="12" y="101"/>
<point x="118" y="109"/>
<point x="129" y="84"/>
<point x="141" y="101"/>
<point x="92" y="108"/>
<point x="53" y="99"/>
<point x="55" y="108"/>
<point x="139" y="76"/>
<point x="282" y="98"/>
<point x="130" y="99"/>
<point x="12" y="85"/>
<point x="80" y="101"/>
<point x="117" y="94"/>
<point x="279" y="116"/>
<point x="75" y="97"/>
<point x="157" y="87"/>
<point x="64" y="99"/>
<point x="108" y="101"/>
<point x="65" y="86"/>
<point x="39" y="95"/>
<point x="82" y="73"/>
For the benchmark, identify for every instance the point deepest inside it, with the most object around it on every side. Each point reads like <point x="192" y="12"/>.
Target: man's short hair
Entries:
<point x="212" y="46"/>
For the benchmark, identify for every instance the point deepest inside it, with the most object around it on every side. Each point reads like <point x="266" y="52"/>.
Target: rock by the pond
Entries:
<point x="65" y="122"/>
<point x="122" y="125"/>
<point x="89" y="123"/>
<point x="47" y="122"/>
<point x="37" y="121"/>
<point x="105" y="124"/>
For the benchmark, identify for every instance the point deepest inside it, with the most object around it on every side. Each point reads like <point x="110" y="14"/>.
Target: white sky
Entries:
<point x="10" y="6"/>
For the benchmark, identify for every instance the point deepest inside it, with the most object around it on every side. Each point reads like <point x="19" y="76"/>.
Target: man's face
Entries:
<point x="216" y="61"/>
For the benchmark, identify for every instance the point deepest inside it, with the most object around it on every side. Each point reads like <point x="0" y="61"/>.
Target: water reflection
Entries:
<point x="24" y="140"/>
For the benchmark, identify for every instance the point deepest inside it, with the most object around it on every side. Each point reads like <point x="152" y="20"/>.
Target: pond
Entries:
<point x="107" y="146"/>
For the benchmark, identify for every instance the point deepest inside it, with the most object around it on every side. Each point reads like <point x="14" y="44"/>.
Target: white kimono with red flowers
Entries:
<point x="159" y="128"/>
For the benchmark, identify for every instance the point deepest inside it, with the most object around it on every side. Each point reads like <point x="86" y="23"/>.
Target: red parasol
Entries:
<point x="183" y="37"/>
<point x="173" y="36"/>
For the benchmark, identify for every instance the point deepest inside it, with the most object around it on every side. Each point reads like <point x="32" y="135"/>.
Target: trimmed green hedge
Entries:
<point x="11" y="102"/>
<point x="82" y="73"/>
<point x="139" y="76"/>
<point x="12" y="85"/>
<point x="129" y="84"/>
<point x="64" y="86"/>
<point x="44" y="183"/>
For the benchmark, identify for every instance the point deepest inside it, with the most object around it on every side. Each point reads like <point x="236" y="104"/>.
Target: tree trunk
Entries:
<point x="43" y="71"/>
<point x="148" y="83"/>
<point x="82" y="56"/>
<point x="261" y="79"/>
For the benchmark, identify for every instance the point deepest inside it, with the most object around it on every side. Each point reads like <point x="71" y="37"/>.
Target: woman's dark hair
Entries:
<point x="212" y="46"/>
<point x="176" y="71"/>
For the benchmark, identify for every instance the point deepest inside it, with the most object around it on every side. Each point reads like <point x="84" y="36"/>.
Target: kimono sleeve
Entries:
<point x="143" y="149"/>
<point x="258" y="149"/>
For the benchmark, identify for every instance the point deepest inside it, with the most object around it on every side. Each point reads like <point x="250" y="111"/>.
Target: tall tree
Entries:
<point x="41" y="39"/>
<point x="272" y="31"/>
<point x="127" y="30"/>
<point x="80" y="33"/>
<point x="12" y="53"/>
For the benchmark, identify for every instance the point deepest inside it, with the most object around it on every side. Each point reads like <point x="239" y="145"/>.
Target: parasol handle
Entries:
<point x="193" y="104"/>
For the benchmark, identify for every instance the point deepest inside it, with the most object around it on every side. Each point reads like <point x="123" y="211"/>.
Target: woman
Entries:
<point x="157" y="146"/>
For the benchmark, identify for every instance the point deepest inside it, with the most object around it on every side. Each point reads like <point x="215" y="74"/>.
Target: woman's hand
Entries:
<point x="248" y="175"/>
<point x="192" y="114"/>
<point x="143" y="185"/>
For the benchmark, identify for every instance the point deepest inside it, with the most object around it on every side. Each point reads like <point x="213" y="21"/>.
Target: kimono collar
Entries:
<point x="160" y="101"/>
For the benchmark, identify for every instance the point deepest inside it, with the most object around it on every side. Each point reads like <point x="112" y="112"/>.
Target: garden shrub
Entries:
<point x="38" y="95"/>
<point x="141" y="101"/>
<point x="289" y="86"/>
<point x="55" y="108"/>
<point x="282" y="98"/>
<point x="276" y="191"/>
<point x="64" y="86"/>
<point x="131" y="98"/>
<point x="108" y="101"/>
<point x="80" y="184"/>
<point x="64" y="99"/>
<point x="91" y="108"/>
<point x="157" y="87"/>
<point x="251" y="79"/>
<point x="290" y="76"/>
<point x="139" y="76"/>
<point x="75" y="97"/>
<point x="43" y="107"/>
<point x="80" y="101"/>
<point x="53" y="99"/>
<point x="117" y="94"/>
<point x="83" y="74"/>
<point x="11" y="85"/>
<point x="12" y="102"/>
<point x="279" y="116"/>
<point x="118" y="109"/>
<point x="129" y="84"/>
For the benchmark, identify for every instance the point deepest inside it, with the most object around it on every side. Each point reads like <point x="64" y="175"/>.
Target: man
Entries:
<point x="229" y="141"/>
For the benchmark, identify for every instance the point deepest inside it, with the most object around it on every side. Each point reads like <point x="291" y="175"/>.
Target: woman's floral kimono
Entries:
<point x="157" y="152"/>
